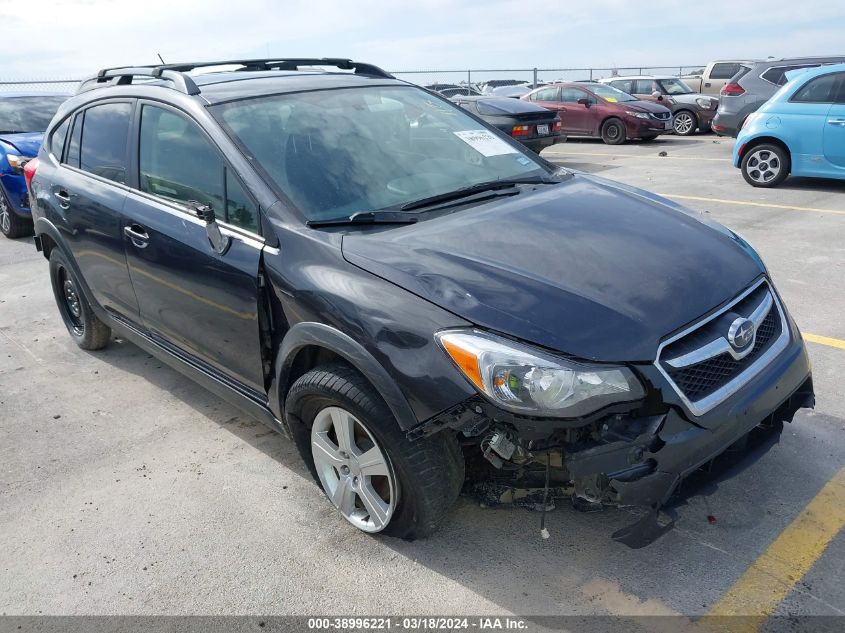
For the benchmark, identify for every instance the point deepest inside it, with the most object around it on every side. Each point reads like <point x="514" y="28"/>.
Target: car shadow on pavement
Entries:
<point x="128" y="357"/>
<point x="821" y="185"/>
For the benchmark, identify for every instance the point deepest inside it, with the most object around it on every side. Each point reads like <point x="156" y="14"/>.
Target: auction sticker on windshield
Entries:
<point x="485" y="143"/>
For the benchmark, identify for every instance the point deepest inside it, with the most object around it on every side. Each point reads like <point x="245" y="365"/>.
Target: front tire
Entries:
<point x="685" y="123"/>
<point x="613" y="132"/>
<point x="11" y="224"/>
<point x="84" y="327"/>
<point x="378" y="479"/>
<point x="765" y="166"/>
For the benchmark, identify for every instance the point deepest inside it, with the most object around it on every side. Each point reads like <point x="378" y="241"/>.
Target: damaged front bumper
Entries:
<point x="644" y="471"/>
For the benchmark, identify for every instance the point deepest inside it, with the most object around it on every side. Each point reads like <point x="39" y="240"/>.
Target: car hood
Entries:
<point x="27" y="143"/>
<point x="586" y="267"/>
<point x="643" y="106"/>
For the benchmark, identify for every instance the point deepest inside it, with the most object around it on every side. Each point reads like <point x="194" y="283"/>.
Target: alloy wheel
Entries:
<point x="5" y="218"/>
<point x="354" y="471"/>
<point x="763" y="166"/>
<point x="683" y="123"/>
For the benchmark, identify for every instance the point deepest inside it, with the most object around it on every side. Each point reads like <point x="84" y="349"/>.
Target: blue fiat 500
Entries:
<point x="799" y="131"/>
<point x="23" y="119"/>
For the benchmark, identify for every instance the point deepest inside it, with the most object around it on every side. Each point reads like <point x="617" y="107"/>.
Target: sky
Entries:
<point x="53" y="39"/>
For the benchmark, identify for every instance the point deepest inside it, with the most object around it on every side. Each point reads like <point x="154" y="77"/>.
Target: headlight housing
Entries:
<point x="639" y="115"/>
<point x="17" y="162"/>
<point x="704" y="103"/>
<point x="526" y="380"/>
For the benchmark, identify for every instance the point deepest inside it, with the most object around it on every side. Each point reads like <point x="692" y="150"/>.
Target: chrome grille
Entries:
<point x="705" y="369"/>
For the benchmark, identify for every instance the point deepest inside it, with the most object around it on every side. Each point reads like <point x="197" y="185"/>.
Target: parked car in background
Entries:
<point x="692" y="111"/>
<point x="594" y="109"/>
<point x="709" y="80"/>
<point x="751" y="88"/>
<point x="488" y="86"/>
<point x="532" y="125"/>
<point x="23" y="119"/>
<point x="453" y="90"/>
<point x="799" y="131"/>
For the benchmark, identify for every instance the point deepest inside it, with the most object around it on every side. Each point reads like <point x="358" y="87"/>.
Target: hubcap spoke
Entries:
<point x="343" y="496"/>
<point x="326" y="452"/>
<point x="344" y="428"/>
<point x="374" y="504"/>
<point x="372" y="463"/>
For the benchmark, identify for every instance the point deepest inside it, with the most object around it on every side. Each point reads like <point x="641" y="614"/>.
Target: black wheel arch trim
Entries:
<point x="306" y="334"/>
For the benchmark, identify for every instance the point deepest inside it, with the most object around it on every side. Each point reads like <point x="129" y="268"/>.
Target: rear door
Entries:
<point x="834" y="129"/>
<point x="87" y="194"/>
<point x="199" y="304"/>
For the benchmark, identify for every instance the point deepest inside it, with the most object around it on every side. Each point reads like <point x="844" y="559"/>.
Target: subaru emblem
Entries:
<point x="741" y="333"/>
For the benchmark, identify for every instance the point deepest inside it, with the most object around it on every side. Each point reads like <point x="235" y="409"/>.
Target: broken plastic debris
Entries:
<point x="711" y="519"/>
<point x="544" y="533"/>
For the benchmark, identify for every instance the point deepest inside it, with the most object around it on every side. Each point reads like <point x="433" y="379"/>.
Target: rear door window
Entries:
<point x="820" y="89"/>
<point x="545" y="94"/>
<point x="105" y="133"/>
<point x="777" y="74"/>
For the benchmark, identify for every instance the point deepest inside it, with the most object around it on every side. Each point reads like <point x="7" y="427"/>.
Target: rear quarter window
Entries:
<point x="777" y="74"/>
<point x="57" y="139"/>
<point x="724" y="71"/>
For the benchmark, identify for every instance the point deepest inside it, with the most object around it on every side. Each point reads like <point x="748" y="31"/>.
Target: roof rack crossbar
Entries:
<point x="124" y="76"/>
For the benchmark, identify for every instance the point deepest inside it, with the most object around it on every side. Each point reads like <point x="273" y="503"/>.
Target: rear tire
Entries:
<point x="420" y="480"/>
<point x="11" y="224"/>
<point x="765" y="165"/>
<point x="84" y="327"/>
<point x="613" y="132"/>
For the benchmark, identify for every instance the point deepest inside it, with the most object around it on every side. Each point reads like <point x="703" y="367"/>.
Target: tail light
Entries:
<point x="521" y="130"/>
<point x="732" y="90"/>
<point x="557" y="126"/>
<point x="29" y="171"/>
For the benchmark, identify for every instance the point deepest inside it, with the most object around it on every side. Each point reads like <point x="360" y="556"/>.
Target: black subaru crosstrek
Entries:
<point x="404" y="290"/>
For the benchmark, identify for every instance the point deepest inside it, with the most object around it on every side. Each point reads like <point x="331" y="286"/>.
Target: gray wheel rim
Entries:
<point x="613" y="131"/>
<point x="763" y="166"/>
<point x="683" y="123"/>
<point x="355" y="473"/>
<point x="5" y="218"/>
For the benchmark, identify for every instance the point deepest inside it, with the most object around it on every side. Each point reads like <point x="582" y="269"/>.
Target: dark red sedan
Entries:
<point x="594" y="109"/>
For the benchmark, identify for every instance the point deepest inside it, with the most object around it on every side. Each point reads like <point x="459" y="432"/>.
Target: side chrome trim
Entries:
<point x="721" y="345"/>
<point x="702" y="406"/>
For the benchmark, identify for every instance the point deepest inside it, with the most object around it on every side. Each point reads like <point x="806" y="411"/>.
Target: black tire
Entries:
<point x="84" y="327"/>
<point x="11" y="224"/>
<point x="685" y="123"/>
<point x="768" y="156"/>
<point x="429" y="471"/>
<point x="613" y="132"/>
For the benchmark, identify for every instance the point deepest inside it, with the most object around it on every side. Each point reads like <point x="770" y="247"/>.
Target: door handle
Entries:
<point x="63" y="197"/>
<point x="836" y="121"/>
<point x="137" y="235"/>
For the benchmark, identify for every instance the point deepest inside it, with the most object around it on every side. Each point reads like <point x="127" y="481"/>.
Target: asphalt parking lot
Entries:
<point x="127" y="489"/>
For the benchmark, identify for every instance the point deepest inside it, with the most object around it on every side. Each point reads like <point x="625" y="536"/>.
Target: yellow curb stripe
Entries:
<point x="824" y="340"/>
<point x="773" y="575"/>
<point x="742" y="203"/>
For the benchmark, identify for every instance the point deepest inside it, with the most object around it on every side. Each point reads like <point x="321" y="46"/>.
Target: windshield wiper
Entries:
<point x="367" y="217"/>
<point x="480" y="187"/>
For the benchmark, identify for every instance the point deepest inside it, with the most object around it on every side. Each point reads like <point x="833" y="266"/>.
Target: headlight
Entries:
<point x="639" y="115"/>
<point x="704" y="103"/>
<point x="527" y="380"/>
<point x="17" y="162"/>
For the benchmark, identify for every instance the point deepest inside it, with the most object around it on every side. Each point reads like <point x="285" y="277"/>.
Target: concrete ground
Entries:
<point x="127" y="489"/>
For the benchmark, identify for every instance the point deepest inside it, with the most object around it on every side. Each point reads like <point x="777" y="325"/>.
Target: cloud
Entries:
<point x="61" y="38"/>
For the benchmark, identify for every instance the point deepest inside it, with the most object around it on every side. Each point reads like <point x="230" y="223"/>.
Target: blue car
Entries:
<point x="799" y="131"/>
<point x="23" y="119"/>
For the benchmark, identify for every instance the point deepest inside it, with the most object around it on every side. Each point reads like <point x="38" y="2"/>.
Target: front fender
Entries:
<point x="307" y="333"/>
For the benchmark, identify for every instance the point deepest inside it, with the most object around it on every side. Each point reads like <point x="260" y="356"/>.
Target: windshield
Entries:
<point x="337" y="152"/>
<point x="609" y="93"/>
<point x="27" y="114"/>
<point x="675" y="87"/>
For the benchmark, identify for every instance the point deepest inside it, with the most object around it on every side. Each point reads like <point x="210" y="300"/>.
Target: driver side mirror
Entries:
<point x="219" y="242"/>
<point x="584" y="101"/>
<point x="657" y="95"/>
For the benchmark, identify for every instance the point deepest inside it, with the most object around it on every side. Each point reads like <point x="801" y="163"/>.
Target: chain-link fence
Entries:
<point x="427" y="77"/>
<point x="39" y="85"/>
<point x="537" y="75"/>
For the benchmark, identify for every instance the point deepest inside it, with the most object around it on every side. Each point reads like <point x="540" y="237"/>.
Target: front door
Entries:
<point x="576" y="116"/>
<point x="203" y="304"/>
